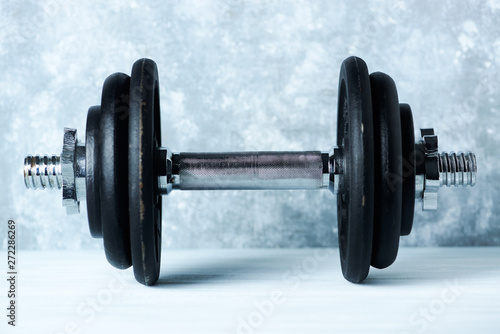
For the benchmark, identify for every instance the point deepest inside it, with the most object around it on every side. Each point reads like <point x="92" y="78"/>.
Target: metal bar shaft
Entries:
<point x="250" y="170"/>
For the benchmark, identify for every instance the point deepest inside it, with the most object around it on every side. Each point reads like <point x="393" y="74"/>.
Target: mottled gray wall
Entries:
<point x="249" y="75"/>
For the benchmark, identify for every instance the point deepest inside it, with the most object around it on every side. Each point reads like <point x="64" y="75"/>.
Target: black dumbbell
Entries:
<point x="377" y="170"/>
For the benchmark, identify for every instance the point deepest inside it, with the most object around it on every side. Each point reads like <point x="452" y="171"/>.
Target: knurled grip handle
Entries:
<point x="249" y="170"/>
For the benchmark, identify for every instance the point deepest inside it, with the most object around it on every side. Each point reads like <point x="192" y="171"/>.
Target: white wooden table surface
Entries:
<point x="427" y="290"/>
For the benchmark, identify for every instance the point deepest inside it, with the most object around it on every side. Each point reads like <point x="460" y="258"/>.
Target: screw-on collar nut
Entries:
<point x="70" y="200"/>
<point x="431" y="177"/>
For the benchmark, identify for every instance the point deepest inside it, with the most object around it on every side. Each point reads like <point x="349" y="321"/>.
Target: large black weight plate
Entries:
<point x="144" y="199"/>
<point x="92" y="174"/>
<point x="356" y="189"/>
<point x="388" y="171"/>
<point x="408" y="148"/>
<point x="114" y="170"/>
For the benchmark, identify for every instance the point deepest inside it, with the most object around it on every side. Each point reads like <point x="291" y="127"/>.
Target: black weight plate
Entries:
<point x="408" y="148"/>
<point x="114" y="170"/>
<point x="144" y="199"/>
<point x="92" y="175"/>
<point x="388" y="170"/>
<point x="356" y="189"/>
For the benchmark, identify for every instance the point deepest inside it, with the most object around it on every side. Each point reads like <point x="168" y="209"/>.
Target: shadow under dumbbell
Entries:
<point x="415" y="266"/>
<point x="241" y="265"/>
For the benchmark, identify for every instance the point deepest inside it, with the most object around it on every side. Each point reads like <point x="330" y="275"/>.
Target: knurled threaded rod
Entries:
<point x="42" y="172"/>
<point x="249" y="170"/>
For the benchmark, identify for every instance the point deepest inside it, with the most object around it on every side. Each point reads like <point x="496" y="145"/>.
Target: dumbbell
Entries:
<point x="377" y="170"/>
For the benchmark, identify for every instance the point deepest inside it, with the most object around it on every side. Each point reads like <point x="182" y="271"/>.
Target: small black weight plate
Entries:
<point x="92" y="178"/>
<point x="356" y="189"/>
<point x="408" y="148"/>
<point x="144" y="199"/>
<point x="388" y="170"/>
<point x="114" y="170"/>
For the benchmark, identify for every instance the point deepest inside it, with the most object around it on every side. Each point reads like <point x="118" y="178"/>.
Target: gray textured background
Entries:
<point x="249" y="75"/>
